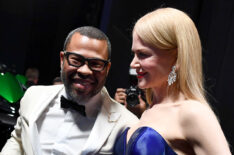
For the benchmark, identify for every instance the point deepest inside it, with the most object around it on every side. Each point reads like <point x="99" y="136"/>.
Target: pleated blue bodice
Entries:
<point x="144" y="141"/>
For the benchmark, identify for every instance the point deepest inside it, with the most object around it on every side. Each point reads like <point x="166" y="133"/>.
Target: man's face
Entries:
<point x="82" y="83"/>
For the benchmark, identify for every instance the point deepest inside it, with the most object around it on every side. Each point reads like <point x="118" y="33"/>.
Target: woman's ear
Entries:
<point x="177" y="67"/>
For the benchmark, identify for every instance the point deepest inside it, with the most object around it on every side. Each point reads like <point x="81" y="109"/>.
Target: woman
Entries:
<point x="168" y="62"/>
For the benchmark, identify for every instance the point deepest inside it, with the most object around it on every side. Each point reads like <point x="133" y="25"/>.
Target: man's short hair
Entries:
<point x="90" y="32"/>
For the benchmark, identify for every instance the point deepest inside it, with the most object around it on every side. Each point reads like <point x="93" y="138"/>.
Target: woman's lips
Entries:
<point x="140" y="75"/>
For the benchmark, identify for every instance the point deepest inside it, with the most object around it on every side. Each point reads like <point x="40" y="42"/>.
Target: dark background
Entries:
<point x="32" y="33"/>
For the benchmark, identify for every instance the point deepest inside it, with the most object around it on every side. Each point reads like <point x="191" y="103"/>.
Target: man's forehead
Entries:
<point x="83" y="38"/>
<point x="84" y="43"/>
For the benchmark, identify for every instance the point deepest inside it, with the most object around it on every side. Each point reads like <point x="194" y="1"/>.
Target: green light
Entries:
<point x="10" y="88"/>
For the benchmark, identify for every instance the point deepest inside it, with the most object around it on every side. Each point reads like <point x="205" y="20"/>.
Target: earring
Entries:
<point x="172" y="76"/>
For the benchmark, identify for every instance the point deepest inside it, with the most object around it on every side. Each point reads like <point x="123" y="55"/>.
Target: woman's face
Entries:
<point x="152" y="64"/>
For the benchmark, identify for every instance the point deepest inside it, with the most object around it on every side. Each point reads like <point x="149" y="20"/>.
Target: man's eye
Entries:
<point x="96" y="63"/>
<point x="75" y="61"/>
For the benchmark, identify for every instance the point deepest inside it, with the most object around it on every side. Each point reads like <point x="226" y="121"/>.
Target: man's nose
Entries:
<point x="84" y="69"/>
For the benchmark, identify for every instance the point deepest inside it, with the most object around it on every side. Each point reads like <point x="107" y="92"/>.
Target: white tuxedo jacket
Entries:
<point x="112" y="119"/>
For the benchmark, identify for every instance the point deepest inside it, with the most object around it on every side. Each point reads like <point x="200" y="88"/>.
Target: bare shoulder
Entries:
<point x="191" y="109"/>
<point x="201" y="128"/>
<point x="195" y="116"/>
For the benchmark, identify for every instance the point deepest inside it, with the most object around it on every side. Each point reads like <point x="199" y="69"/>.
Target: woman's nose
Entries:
<point x="134" y="63"/>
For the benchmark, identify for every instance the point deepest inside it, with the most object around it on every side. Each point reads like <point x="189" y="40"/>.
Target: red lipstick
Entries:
<point x="140" y="75"/>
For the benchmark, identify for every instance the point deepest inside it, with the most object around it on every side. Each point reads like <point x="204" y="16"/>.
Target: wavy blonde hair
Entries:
<point x="169" y="28"/>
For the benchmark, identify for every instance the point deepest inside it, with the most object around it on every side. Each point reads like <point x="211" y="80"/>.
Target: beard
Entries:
<point x="76" y="95"/>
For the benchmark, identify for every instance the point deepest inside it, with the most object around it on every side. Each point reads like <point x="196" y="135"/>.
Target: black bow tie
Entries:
<point x="66" y="104"/>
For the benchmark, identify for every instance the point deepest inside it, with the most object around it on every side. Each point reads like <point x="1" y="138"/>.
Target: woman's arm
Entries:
<point x="202" y="129"/>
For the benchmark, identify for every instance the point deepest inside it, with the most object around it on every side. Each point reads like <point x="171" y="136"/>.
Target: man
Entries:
<point x="48" y="126"/>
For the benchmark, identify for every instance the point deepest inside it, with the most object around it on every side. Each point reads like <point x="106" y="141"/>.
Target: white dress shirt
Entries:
<point x="65" y="132"/>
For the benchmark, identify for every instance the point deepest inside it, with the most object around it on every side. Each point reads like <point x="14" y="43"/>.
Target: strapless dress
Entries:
<point x="144" y="141"/>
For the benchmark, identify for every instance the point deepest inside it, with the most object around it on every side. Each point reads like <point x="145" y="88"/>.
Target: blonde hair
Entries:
<point x="169" y="28"/>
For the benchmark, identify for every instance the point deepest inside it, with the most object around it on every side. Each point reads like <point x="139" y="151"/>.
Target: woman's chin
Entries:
<point x="142" y="85"/>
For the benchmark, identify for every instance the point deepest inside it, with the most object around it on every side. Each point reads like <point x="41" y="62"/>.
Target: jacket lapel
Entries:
<point x="105" y="122"/>
<point x="41" y="106"/>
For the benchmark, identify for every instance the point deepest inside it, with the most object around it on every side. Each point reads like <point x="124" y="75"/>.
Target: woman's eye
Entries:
<point x="142" y="55"/>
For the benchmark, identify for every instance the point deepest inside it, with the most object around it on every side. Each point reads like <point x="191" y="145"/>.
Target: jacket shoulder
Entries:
<point x="36" y="93"/>
<point x="113" y="106"/>
<point x="125" y="113"/>
<point x="43" y="89"/>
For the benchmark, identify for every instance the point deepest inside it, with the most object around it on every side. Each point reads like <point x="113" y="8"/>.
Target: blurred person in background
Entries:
<point x="133" y="98"/>
<point x="122" y="96"/>
<point x="57" y="80"/>
<point x="32" y="75"/>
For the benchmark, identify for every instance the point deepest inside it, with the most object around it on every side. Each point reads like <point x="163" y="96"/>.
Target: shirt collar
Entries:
<point x="92" y="106"/>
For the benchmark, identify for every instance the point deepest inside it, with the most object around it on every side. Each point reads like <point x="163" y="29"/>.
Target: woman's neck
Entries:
<point x="162" y="95"/>
<point x="159" y="94"/>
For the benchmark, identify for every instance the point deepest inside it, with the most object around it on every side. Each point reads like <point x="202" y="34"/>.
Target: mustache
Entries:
<point x="80" y="76"/>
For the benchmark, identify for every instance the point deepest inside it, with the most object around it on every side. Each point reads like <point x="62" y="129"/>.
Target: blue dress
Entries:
<point x="144" y="141"/>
